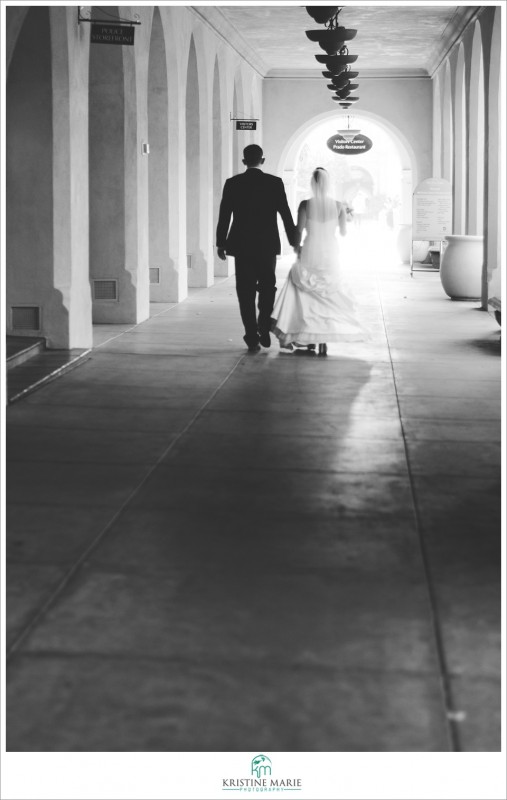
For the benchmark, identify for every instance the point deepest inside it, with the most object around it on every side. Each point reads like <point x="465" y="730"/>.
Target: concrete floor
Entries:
<point x="211" y="550"/>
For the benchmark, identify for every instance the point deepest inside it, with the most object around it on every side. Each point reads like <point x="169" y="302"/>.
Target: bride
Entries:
<point x="314" y="306"/>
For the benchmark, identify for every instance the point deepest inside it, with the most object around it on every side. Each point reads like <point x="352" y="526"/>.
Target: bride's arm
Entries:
<point x="301" y="224"/>
<point x="342" y="218"/>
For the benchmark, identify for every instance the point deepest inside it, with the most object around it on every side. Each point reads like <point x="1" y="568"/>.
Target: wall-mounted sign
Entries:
<point x="432" y="210"/>
<point x="109" y="33"/>
<point x="359" y="144"/>
<point x="246" y="125"/>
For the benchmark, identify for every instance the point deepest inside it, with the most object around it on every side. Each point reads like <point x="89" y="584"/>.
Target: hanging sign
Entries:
<point x="359" y="144"/>
<point x="246" y="125"/>
<point x="432" y="210"/>
<point x="109" y="33"/>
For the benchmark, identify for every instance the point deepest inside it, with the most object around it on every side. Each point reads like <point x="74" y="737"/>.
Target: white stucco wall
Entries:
<point x="403" y="104"/>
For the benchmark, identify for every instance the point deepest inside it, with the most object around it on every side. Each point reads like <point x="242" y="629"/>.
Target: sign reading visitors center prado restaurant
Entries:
<point x="359" y="144"/>
<point x="109" y="33"/>
<point x="432" y="210"/>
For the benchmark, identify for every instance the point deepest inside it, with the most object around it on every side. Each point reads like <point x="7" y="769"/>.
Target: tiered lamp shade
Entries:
<point x="342" y="75"/>
<point x="333" y="88"/>
<point x="322" y="14"/>
<point x="342" y="80"/>
<point x="331" y="40"/>
<point x="333" y="62"/>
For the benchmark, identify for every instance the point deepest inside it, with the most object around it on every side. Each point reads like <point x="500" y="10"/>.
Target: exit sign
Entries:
<point x="246" y="125"/>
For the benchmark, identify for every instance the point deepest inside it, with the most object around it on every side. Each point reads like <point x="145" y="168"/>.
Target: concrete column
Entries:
<point x="437" y="128"/>
<point x="176" y="32"/>
<point x="220" y="267"/>
<point x="490" y="22"/>
<point x="460" y="166"/>
<point x="70" y="54"/>
<point x="199" y="165"/>
<point x="178" y="195"/>
<point x="116" y="176"/>
<point x="161" y="284"/>
<point x="204" y="271"/>
<point x="447" y="127"/>
<point x="137" y="164"/>
<point x="476" y="152"/>
<point x="46" y="196"/>
<point x="226" y="73"/>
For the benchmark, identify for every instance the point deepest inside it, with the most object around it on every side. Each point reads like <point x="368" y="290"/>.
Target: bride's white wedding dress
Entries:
<point x="315" y="304"/>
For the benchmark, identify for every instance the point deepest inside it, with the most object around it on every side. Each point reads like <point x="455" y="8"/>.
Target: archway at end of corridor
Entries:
<point x="376" y="185"/>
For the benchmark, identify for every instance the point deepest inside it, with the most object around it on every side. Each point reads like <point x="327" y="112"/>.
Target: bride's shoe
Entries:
<point x="322" y="349"/>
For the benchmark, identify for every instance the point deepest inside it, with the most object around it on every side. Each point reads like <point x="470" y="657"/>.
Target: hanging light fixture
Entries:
<point x="348" y="133"/>
<point x="346" y="90"/>
<point x="342" y="59"/>
<point x="336" y="57"/>
<point x="341" y="80"/>
<point x="332" y="39"/>
<point x="322" y="14"/>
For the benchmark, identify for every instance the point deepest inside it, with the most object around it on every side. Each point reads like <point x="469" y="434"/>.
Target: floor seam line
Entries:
<point x="449" y="705"/>
<point x="155" y="316"/>
<point x="55" y="594"/>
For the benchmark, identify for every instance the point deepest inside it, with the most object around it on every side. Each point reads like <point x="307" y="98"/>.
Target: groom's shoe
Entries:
<point x="252" y="342"/>
<point x="265" y="339"/>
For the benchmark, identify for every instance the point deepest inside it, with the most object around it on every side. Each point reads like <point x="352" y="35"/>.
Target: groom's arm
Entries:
<point x="284" y="211"/>
<point x="224" y="217"/>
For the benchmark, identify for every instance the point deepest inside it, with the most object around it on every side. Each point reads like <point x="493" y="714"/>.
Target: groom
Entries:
<point x="254" y="199"/>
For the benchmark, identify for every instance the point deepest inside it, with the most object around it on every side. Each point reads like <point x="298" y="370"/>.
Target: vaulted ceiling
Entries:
<point x="391" y="40"/>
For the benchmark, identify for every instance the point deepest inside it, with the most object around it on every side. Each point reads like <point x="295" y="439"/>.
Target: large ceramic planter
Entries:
<point x="461" y="267"/>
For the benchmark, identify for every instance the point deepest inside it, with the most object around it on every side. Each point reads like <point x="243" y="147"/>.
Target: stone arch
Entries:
<point x="460" y="145"/>
<point x="287" y="161"/>
<point x="476" y="128"/>
<point x="447" y="126"/>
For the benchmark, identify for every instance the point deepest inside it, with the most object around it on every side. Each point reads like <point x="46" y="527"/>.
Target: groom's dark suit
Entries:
<point x="254" y="199"/>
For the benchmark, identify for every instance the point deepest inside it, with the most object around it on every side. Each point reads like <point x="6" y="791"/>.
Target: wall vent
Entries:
<point x="105" y="289"/>
<point x="25" y="318"/>
<point x="189" y="260"/>
<point x="154" y="274"/>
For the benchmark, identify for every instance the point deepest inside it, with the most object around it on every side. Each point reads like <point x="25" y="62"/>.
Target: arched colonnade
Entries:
<point x="466" y="137"/>
<point x="116" y="160"/>
<point x="116" y="157"/>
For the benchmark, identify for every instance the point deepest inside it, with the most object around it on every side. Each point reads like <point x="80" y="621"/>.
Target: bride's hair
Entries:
<point x="320" y="182"/>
